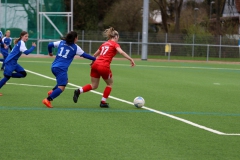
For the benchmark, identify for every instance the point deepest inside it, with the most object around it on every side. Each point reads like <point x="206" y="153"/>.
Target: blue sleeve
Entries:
<point x="50" y="46"/>
<point x="87" y="56"/>
<point x="29" y="50"/>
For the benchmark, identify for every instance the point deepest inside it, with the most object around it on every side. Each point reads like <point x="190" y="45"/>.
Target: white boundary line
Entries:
<point x="33" y="85"/>
<point x="150" y="109"/>
<point x="151" y="66"/>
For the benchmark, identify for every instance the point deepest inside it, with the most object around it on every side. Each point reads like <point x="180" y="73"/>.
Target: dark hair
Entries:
<point x="20" y="37"/>
<point x="70" y="37"/>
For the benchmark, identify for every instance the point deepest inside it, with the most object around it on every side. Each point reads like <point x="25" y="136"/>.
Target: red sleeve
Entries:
<point x="116" y="45"/>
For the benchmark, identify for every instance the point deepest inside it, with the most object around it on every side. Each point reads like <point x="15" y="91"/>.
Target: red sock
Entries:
<point x="87" y="88"/>
<point x="106" y="93"/>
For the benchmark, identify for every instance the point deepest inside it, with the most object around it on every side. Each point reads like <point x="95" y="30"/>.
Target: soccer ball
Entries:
<point x="139" y="102"/>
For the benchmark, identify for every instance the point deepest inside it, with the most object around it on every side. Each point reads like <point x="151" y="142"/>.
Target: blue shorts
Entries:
<point x="10" y="68"/>
<point x="61" y="76"/>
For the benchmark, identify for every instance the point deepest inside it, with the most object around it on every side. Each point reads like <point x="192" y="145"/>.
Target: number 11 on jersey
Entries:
<point x="65" y="54"/>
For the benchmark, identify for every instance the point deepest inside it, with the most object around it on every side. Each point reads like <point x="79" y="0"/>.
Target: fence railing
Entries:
<point x="183" y="46"/>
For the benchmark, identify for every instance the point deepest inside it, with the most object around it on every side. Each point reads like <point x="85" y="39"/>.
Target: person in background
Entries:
<point x="6" y="45"/>
<point x="12" y="68"/>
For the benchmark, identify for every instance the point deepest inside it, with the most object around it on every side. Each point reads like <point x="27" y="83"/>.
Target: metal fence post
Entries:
<point x="166" y="40"/>
<point x="90" y="47"/>
<point x="130" y="49"/>
<point x="138" y="42"/>
<point x="220" y="46"/>
<point x="207" y="52"/>
<point x="82" y="39"/>
<point x="193" y="45"/>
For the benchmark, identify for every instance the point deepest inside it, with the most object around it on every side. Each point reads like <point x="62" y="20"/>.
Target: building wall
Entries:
<point x="230" y="10"/>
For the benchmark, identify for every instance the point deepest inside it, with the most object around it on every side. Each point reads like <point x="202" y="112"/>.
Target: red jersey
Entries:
<point x="107" y="52"/>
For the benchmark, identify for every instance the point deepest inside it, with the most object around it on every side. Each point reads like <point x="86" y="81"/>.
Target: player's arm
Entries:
<point x="52" y="45"/>
<point x="3" y="44"/>
<point x="126" y="55"/>
<point x="97" y="53"/>
<point x="10" y="46"/>
<point x="88" y="56"/>
<point x="25" y="50"/>
<point x="83" y="54"/>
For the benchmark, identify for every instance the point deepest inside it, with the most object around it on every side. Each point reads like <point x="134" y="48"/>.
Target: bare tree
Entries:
<point x="125" y="15"/>
<point x="163" y="5"/>
<point x="178" y="8"/>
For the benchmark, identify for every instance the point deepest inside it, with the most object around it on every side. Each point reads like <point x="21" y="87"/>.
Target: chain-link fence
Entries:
<point x="18" y="15"/>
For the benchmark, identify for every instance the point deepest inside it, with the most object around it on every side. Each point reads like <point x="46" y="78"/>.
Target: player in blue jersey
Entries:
<point x="1" y="35"/>
<point x="67" y="49"/>
<point x="7" y="41"/>
<point x="12" y="68"/>
<point x="1" y="44"/>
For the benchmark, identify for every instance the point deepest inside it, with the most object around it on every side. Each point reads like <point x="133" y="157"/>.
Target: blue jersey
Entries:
<point x="1" y="35"/>
<point x="7" y="41"/>
<point x="17" y="51"/>
<point x="65" y="54"/>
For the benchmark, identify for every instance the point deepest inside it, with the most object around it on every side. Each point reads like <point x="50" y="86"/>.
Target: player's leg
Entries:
<point x="7" y="74"/>
<point x="4" y="57"/>
<point x="20" y="72"/>
<point x="62" y="80"/>
<point x="56" y="86"/>
<point x="95" y="78"/>
<point x="4" y="80"/>
<point x="106" y="74"/>
<point x="106" y="92"/>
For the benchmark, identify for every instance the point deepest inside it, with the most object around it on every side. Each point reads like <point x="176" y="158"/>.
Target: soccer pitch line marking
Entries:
<point x="150" y="66"/>
<point x="150" y="109"/>
<point x="33" y="85"/>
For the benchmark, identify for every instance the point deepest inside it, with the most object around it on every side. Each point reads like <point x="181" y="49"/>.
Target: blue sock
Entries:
<point x="55" y="87"/>
<point x="3" y="81"/>
<point x="55" y="94"/>
<point x="17" y="75"/>
<point x="1" y="59"/>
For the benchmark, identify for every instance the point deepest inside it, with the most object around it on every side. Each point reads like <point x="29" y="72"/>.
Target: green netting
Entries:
<point x="19" y="15"/>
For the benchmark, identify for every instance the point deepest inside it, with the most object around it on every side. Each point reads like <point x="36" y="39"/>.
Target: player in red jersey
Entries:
<point x="101" y="66"/>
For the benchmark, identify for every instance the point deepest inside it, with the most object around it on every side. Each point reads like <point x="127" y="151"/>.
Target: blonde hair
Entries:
<point x="110" y="33"/>
<point x="20" y="37"/>
<point x="7" y="32"/>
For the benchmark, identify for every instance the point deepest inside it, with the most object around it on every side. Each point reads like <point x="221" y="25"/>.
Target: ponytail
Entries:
<point x="20" y="37"/>
<point x="70" y="37"/>
<point x="110" y="33"/>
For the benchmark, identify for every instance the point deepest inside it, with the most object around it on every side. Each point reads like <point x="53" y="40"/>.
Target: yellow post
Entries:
<point x="168" y="49"/>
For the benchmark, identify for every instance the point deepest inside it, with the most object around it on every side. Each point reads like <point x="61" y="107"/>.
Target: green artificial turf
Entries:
<point x="206" y="94"/>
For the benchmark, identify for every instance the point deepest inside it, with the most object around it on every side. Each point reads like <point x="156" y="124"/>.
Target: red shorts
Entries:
<point x="98" y="71"/>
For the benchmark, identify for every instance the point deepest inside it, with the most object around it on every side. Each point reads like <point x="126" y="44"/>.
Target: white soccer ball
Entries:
<point x="139" y="102"/>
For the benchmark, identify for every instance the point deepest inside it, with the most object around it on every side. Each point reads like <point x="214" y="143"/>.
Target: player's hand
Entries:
<point x="50" y="54"/>
<point x="5" y="46"/>
<point x="132" y="63"/>
<point x="34" y="44"/>
<point x="92" y="63"/>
